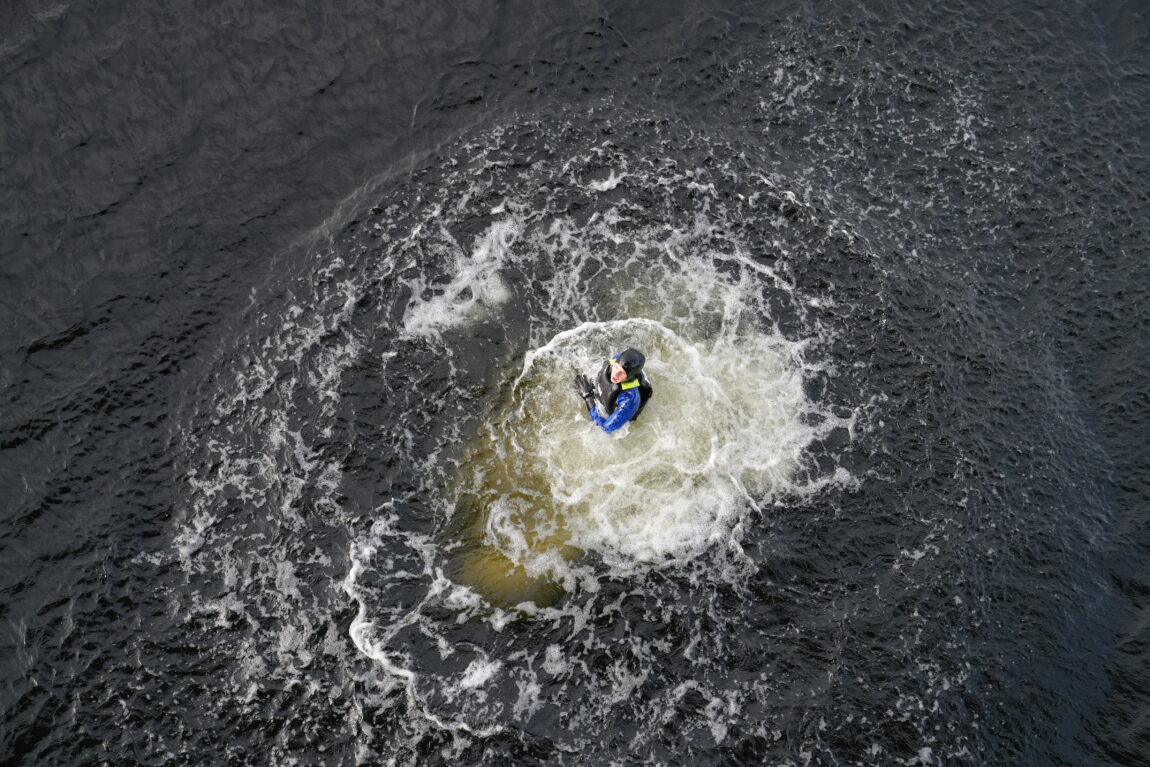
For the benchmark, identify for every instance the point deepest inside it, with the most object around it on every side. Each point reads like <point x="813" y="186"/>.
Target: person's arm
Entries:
<point x="625" y="406"/>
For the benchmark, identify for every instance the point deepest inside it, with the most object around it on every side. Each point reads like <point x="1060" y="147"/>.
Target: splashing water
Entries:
<point x="504" y="507"/>
<point x="724" y="431"/>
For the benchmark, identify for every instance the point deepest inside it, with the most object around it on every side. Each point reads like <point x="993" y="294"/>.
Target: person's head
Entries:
<point x="626" y="365"/>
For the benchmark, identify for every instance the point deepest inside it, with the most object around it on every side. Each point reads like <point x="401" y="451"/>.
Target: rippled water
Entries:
<point x="294" y="297"/>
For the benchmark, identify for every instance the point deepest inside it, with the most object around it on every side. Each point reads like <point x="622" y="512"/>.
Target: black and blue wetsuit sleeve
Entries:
<point x="625" y="406"/>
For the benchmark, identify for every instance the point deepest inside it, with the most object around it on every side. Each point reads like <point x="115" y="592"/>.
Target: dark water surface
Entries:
<point x="278" y="281"/>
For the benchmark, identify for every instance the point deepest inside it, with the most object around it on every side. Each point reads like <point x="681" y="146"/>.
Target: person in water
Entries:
<point x="621" y="390"/>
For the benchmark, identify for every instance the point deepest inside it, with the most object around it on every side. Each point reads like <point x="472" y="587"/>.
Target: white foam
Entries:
<point x="725" y="432"/>
<point x="475" y="289"/>
<point x="479" y="673"/>
<point x="553" y="661"/>
<point x="608" y="183"/>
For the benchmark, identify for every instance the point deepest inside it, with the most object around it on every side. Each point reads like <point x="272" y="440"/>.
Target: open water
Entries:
<point x="291" y="471"/>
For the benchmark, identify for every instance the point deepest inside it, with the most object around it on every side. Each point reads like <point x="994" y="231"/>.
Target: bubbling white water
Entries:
<point x="443" y="355"/>
<point x="476" y="284"/>
<point x="725" y="428"/>
<point x="723" y="435"/>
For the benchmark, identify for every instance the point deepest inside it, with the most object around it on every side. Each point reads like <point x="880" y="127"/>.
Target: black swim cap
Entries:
<point x="632" y="361"/>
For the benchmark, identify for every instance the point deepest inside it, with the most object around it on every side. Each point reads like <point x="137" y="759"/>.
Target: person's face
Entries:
<point x="618" y="374"/>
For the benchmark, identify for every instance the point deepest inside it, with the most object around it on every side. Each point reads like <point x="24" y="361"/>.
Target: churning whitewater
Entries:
<point x="528" y="503"/>
<point x="469" y="312"/>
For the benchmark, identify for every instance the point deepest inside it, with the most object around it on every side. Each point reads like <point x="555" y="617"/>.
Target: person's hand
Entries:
<point x="585" y="389"/>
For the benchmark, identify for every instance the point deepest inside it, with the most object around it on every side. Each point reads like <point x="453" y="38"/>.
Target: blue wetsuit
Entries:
<point x="625" y="406"/>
